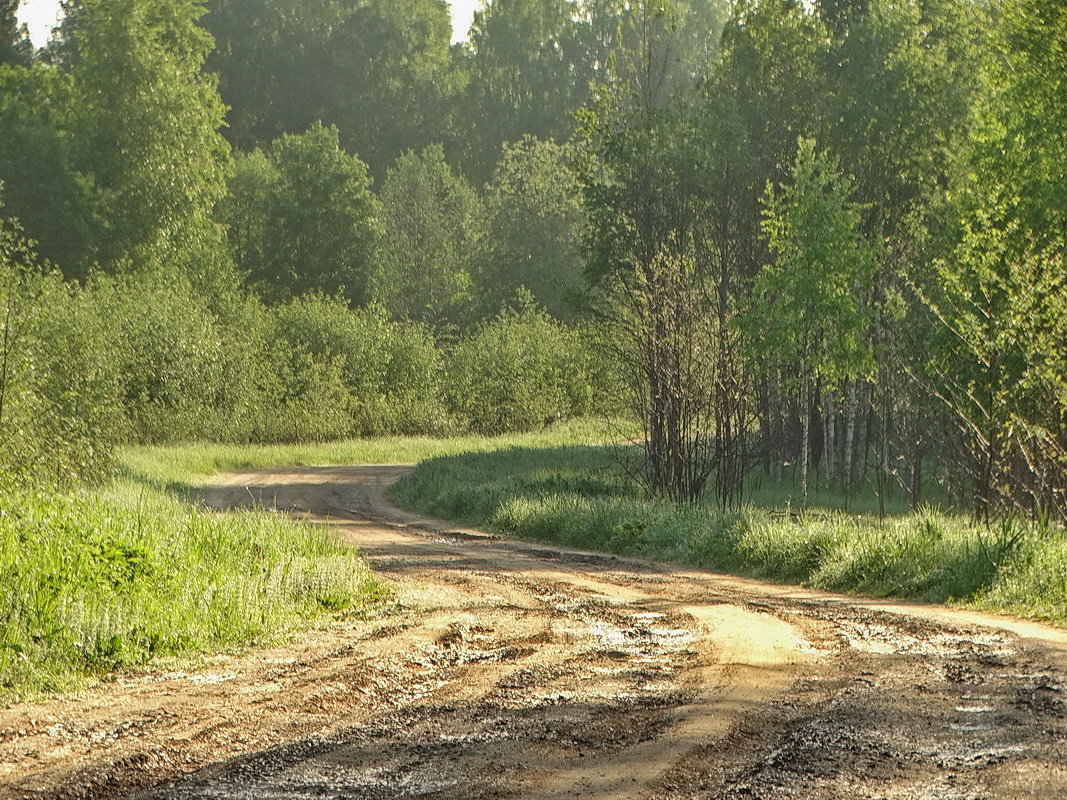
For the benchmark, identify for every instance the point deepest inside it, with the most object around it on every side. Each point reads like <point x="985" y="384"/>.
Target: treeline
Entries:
<point x="821" y="240"/>
<point x="842" y="251"/>
<point x="148" y="359"/>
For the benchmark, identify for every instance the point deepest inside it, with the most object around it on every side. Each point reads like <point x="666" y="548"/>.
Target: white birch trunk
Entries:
<point x="850" y="437"/>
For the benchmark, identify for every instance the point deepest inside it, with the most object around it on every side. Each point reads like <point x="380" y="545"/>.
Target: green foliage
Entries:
<point x="147" y="119"/>
<point x="379" y="70"/>
<point x="15" y="45"/>
<point x="1000" y="364"/>
<point x="808" y="315"/>
<point x="682" y="36"/>
<point x="101" y="579"/>
<point x="898" y="107"/>
<point x="531" y="65"/>
<point x="1020" y="152"/>
<point x="536" y="222"/>
<point x="518" y="371"/>
<point x="434" y="234"/>
<point x="57" y="400"/>
<point x="43" y="189"/>
<point x="390" y="78"/>
<point x="273" y="61"/>
<point x="150" y="360"/>
<point x="167" y="357"/>
<point x="385" y="375"/>
<point x="301" y="217"/>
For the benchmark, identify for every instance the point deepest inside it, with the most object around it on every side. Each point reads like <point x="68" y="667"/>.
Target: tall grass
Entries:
<point x="577" y="496"/>
<point x="94" y="580"/>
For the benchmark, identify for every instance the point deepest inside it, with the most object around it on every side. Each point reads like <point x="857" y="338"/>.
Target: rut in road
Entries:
<point x="527" y="671"/>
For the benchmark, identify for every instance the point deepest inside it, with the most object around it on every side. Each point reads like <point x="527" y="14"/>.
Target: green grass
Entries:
<point x="194" y="464"/>
<point x="578" y="496"/>
<point x="96" y="580"/>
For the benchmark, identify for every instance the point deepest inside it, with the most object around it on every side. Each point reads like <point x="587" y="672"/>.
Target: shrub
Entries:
<point x="385" y="373"/>
<point x="519" y="371"/>
<point x="58" y="398"/>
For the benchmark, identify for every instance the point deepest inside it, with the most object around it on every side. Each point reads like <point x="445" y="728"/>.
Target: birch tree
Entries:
<point x="806" y="320"/>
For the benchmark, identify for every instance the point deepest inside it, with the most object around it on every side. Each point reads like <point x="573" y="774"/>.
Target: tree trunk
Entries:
<point x="805" y="438"/>
<point x="850" y="437"/>
<point x="829" y="437"/>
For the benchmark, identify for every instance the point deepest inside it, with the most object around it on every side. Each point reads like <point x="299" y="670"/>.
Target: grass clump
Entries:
<point x="579" y="497"/>
<point x="96" y="580"/>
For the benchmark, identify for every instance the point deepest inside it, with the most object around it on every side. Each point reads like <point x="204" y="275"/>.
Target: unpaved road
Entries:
<point x="522" y="671"/>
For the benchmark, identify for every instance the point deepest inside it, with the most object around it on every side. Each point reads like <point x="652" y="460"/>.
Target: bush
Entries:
<point x="168" y="352"/>
<point x="519" y="371"/>
<point x="384" y="374"/>
<point x="59" y="408"/>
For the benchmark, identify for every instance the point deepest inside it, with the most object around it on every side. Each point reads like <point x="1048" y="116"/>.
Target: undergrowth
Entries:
<point x="578" y="496"/>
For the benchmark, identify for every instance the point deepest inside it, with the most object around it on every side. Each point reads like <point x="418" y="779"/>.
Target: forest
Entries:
<point x="818" y="245"/>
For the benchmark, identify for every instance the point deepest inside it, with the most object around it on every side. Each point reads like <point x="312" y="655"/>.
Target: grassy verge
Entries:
<point x="577" y="496"/>
<point x="100" y="579"/>
<point x="95" y="580"/>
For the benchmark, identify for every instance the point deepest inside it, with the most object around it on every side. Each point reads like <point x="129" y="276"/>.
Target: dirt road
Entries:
<point x="515" y="670"/>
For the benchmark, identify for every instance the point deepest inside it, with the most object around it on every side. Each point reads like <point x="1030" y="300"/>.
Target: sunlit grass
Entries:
<point x="95" y="580"/>
<point x="195" y="464"/>
<point x="579" y="496"/>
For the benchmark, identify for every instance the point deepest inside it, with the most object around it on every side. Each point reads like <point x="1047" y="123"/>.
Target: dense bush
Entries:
<point x="146" y="359"/>
<point x="382" y="376"/>
<point x="518" y="371"/>
<point x="59" y="407"/>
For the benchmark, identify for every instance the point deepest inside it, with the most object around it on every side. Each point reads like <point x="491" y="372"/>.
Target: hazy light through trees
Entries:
<point x="40" y="16"/>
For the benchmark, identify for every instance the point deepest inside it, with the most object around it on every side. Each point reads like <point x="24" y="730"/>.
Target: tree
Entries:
<point x="146" y="119"/>
<point x="273" y="60"/>
<point x="434" y="235"/>
<point x="1021" y="150"/>
<point x="807" y="321"/>
<point x="301" y="218"/>
<point x="692" y="41"/>
<point x="15" y="46"/>
<point x="648" y="273"/>
<point x="379" y="70"/>
<point x="999" y="362"/>
<point x="997" y="296"/>
<point x="530" y="71"/>
<point x="534" y="209"/>
<point x="55" y="203"/>
<point x="390" y="78"/>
